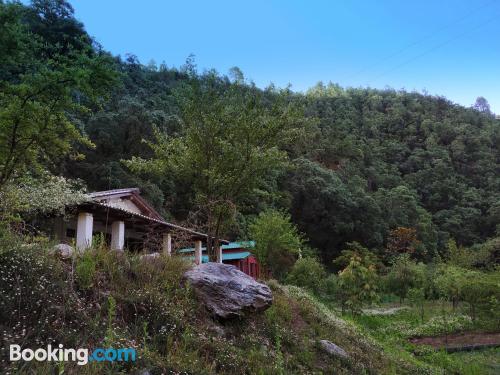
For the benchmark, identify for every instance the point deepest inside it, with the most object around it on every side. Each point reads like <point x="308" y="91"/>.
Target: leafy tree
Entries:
<point x="355" y="249"/>
<point x="458" y="256"/>
<point x="39" y="94"/>
<point x="450" y="282"/>
<point x="278" y="242"/>
<point x="402" y="241"/>
<point x="357" y="284"/>
<point x="308" y="273"/>
<point x="482" y="105"/>
<point x="228" y="145"/>
<point x="404" y="275"/>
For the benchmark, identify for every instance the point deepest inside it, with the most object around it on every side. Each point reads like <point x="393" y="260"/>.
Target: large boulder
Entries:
<point x="226" y="291"/>
<point x="63" y="250"/>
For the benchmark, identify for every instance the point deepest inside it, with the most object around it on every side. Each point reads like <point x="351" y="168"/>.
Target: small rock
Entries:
<point x="63" y="250"/>
<point x="226" y="291"/>
<point x="333" y="349"/>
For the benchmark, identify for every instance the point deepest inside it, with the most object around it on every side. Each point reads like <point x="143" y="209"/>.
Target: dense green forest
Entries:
<point x="359" y="162"/>
<point x="357" y="195"/>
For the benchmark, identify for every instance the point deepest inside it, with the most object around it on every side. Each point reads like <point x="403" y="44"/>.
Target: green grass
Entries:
<point x="105" y="298"/>
<point x="393" y="332"/>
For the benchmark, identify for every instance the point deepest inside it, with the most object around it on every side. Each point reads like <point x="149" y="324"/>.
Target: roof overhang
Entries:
<point x="107" y="212"/>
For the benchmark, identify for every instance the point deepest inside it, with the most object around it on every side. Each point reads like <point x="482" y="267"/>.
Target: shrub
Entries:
<point x="307" y="273"/>
<point x="278" y="242"/>
<point x="357" y="284"/>
<point x="85" y="270"/>
<point x="405" y="274"/>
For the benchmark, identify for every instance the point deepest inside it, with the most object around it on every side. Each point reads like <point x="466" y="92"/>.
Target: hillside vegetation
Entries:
<point x="111" y="300"/>
<point x="354" y="197"/>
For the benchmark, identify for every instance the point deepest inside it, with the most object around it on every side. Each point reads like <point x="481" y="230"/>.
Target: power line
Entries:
<point x="426" y="37"/>
<point x="436" y="47"/>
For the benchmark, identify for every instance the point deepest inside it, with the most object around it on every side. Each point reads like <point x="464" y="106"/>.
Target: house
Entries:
<point x="235" y="253"/>
<point x="125" y="220"/>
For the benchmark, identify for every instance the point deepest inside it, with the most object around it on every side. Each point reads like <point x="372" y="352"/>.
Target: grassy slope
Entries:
<point x="104" y="299"/>
<point x="393" y="331"/>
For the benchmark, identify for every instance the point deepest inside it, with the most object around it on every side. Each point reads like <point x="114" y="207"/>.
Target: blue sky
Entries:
<point x="449" y="48"/>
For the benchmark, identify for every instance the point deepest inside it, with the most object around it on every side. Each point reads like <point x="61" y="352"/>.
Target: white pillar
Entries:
<point x="84" y="230"/>
<point x="197" y="252"/>
<point x="117" y="235"/>
<point x="167" y="244"/>
<point x="219" y="254"/>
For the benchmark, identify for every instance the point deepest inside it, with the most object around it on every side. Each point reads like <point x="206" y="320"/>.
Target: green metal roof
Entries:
<point x="228" y="256"/>
<point x="230" y="246"/>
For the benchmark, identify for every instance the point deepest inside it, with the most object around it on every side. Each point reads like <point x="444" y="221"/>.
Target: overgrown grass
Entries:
<point x="393" y="332"/>
<point x="110" y="299"/>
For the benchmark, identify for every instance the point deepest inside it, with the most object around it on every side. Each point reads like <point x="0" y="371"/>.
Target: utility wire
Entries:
<point x="436" y="47"/>
<point x="417" y="42"/>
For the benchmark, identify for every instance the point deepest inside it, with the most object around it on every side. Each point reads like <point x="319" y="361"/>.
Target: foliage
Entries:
<point x="479" y="290"/>
<point x="228" y="145"/>
<point x="85" y="271"/>
<point x="357" y="284"/>
<point x="402" y="241"/>
<point x="142" y="304"/>
<point x="278" y="242"/>
<point x="355" y="249"/>
<point x="42" y="85"/>
<point x="308" y="273"/>
<point x="458" y="255"/>
<point x="416" y="297"/>
<point x="50" y="194"/>
<point x="404" y="275"/>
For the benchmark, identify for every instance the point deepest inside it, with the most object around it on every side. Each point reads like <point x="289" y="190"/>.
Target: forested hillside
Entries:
<point x="360" y="162"/>
<point x="353" y="196"/>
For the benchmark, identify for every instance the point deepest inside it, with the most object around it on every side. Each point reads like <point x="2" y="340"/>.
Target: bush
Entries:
<point x="307" y="273"/>
<point x="479" y="290"/>
<point x="85" y="271"/>
<point x="403" y="275"/>
<point x="357" y="284"/>
<point x="278" y="242"/>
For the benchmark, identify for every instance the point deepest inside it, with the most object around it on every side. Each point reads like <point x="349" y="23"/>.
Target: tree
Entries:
<point x="229" y="143"/>
<point x="482" y="105"/>
<point x="404" y="275"/>
<point x="308" y="273"/>
<point x="277" y="242"/>
<point x="458" y="255"/>
<point x="450" y="282"/>
<point x="357" y="284"/>
<point x="41" y="94"/>
<point x="402" y="241"/>
<point x="355" y="249"/>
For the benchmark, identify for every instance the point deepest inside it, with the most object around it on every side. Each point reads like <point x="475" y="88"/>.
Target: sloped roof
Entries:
<point x="114" y="192"/>
<point x="99" y="199"/>
<point x="133" y="194"/>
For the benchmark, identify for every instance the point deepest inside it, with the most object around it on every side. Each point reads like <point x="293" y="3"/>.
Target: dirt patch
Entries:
<point x="465" y="340"/>
<point x="297" y="321"/>
<point x="385" y="311"/>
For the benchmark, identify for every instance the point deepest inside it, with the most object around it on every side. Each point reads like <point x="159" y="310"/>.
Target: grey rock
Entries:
<point x="226" y="291"/>
<point x="333" y="349"/>
<point x="63" y="250"/>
